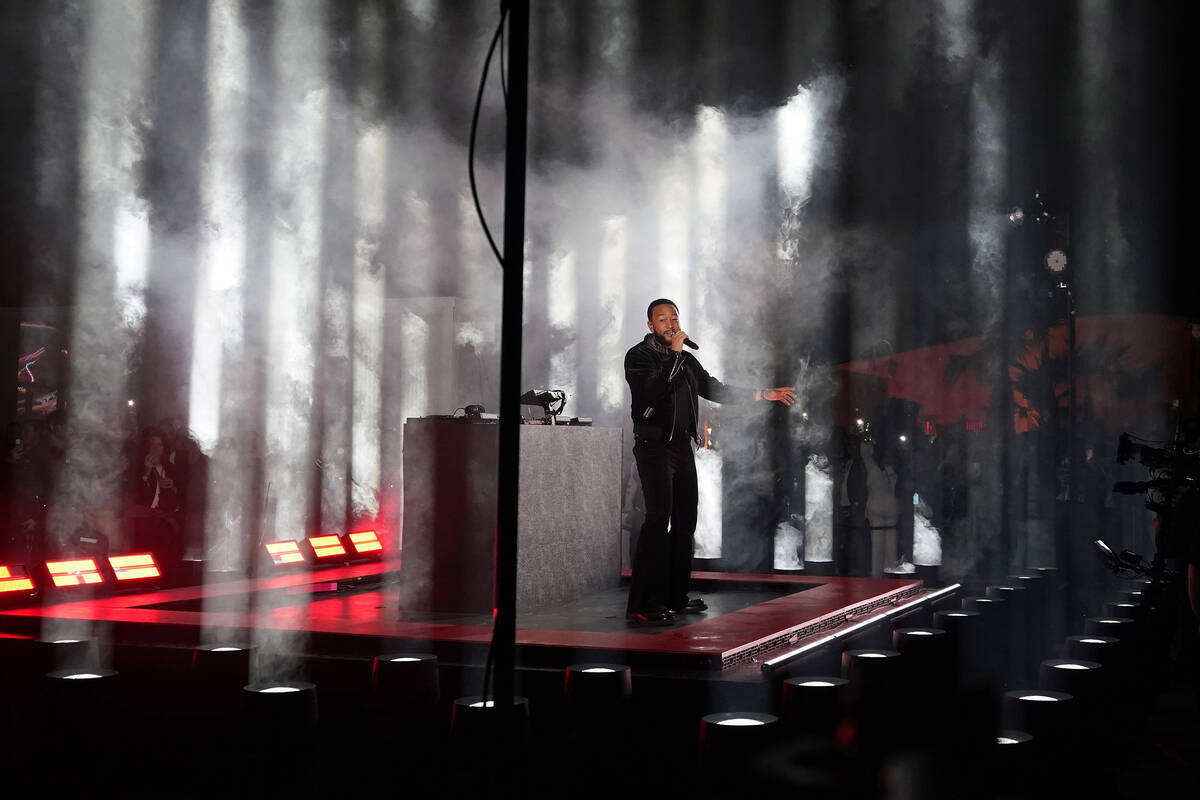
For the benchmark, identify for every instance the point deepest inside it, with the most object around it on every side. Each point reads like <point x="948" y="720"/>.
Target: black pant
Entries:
<point x="662" y="561"/>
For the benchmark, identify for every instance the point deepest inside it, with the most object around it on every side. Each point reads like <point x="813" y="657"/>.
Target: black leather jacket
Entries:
<point x="652" y="372"/>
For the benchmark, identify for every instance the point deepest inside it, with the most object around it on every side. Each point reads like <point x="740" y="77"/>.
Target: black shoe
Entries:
<point x="653" y="616"/>
<point x="693" y="605"/>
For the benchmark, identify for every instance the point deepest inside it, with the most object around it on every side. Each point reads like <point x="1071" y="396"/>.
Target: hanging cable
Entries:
<point x="503" y="80"/>
<point x="474" y="127"/>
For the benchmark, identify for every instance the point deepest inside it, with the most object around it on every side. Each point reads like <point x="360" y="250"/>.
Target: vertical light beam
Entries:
<point x="217" y="329"/>
<point x="369" y="279"/>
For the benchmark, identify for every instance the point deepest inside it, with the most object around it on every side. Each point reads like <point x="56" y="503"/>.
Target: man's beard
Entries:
<point x="661" y="342"/>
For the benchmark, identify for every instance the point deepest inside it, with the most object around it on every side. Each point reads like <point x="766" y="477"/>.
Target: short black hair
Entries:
<point x="662" y="301"/>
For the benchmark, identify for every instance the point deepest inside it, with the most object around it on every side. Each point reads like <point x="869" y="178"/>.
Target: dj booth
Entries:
<point x="569" y="534"/>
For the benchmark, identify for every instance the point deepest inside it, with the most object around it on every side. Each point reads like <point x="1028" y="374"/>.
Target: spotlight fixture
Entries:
<point x="281" y="706"/>
<point x="813" y="705"/>
<point x="1125" y="608"/>
<point x="223" y="666"/>
<point x="75" y="572"/>
<point x="85" y="692"/>
<point x="326" y="548"/>
<point x="1075" y="676"/>
<point x="284" y="554"/>
<point x="64" y="653"/>
<point x="1041" y="712"/>
<point x="405" y="683"/>
<point x="14" y="578"/>
<point x="727" y="739"/>
<point x="365" y="544"/>
<point x="1120" y="627"/>
<point x="476" y="723"/>
<point x="1016" y="216"/>
<point x="594" y="687"/>
<point x="134" y="567"/>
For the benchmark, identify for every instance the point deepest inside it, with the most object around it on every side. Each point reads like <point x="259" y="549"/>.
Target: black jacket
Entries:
<point x="652" y="373"/>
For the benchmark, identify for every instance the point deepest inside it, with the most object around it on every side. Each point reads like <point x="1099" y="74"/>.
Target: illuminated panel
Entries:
<point x="285" y="553"/>
<point x="326" y="546"/>
<point x="73" y="573"/>
<point x="133" y="567"/>
<point x="365" y="542"/>
<point x="14" y="579"/>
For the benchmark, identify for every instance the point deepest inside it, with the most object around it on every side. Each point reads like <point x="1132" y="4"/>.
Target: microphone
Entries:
<point x="688" y="342"/>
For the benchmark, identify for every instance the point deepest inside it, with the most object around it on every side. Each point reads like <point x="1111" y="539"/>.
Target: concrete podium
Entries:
<point x="569" y="536"/>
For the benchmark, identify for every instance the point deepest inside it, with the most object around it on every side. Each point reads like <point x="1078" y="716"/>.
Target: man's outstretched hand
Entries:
<point x="781" y="394"/>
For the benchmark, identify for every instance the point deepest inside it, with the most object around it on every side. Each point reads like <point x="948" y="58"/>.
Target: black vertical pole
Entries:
<point x="510" y="355"/>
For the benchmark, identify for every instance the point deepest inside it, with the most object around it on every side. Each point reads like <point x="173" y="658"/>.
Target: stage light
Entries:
<point x="227" y="664"/>
<point x="1045" y="713"/>
<point x="365" y="542"/>
<point x="478" y="725"/>
<point x="1125" y="608"/>
<point x="1082" y="679"/>
<point x="81" y="693"/>
<point x="403" y="683"/>
<point x="1013" y="757"/>
<point x="813" y="705"/>
<point x="15" y="578"/>
<point x="137" y="566"/>
<point x="1120" y="627"/>
<point x="872" y="673"/>
<point x="77" y="572"/>
<point x="1016" y="216"/>
<point x="926" y="656"/>
<point x="590" y="688"/>
<point x="285" y="553"/>
<point x="728" y="738"/>
<point x="64" y="653"/>
<point x="281" y="706"/>
<point x="326" y="547"/>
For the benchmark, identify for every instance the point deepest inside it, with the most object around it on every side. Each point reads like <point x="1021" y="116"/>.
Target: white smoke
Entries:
<point x="709" y="522"/>
<point x="818" y="510"/>
<point x="927" y="540"/>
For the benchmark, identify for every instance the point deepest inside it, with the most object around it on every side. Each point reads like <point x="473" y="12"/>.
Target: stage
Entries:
<point x="353" y="612"/>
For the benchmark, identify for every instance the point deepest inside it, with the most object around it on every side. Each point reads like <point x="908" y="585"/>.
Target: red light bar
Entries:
<point x="15" y="578"/>
<point x="283" y="553"/>
<point x="133" y="567"/>
<point x="73" y="573"/>
<point x="365" y="542"/>
<point x="326" y="546"/>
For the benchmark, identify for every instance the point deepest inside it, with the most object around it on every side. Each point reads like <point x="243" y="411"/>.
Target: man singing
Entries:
<point x="664" y="381"/>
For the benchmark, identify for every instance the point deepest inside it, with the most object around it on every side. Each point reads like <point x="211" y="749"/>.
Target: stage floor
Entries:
<point x="353" y="611"/>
